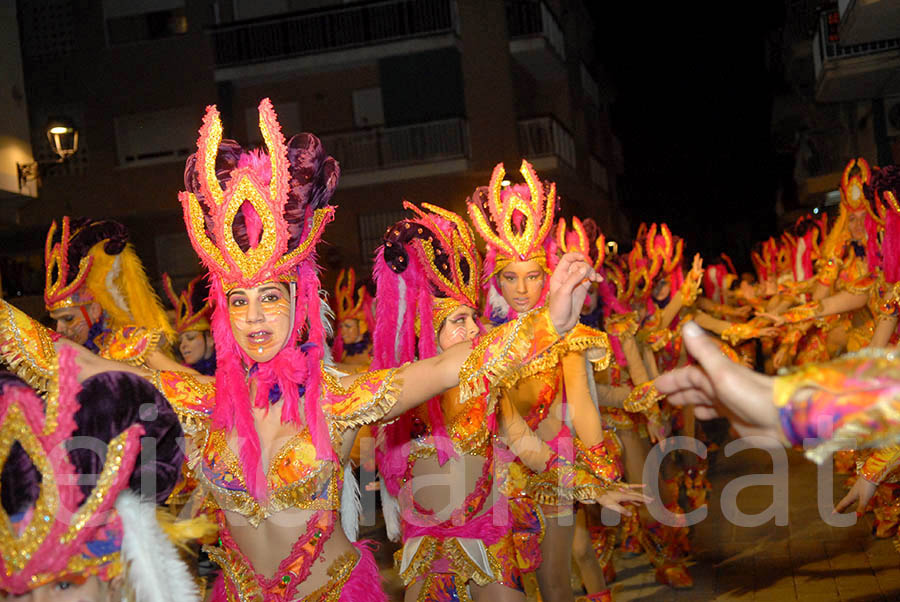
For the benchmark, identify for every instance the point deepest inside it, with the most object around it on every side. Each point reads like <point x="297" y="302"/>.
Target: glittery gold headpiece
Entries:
<point x="578" y="240"/>
<point x="451" y="259"/>
<point x="258" y="190"/>
<point x="50" y="539"/>
<point x="57" y="293"/>
<point x="187" y="316"/>
<point x="344" y="306"/>
<point x="109" y="272"/>
<point x="852" y="197"/>
<point x="663" y="251"/>
<point x="514" y="225"/>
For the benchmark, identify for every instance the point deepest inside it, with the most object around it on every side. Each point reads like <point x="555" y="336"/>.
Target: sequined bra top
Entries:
<point x="295" y="477"/>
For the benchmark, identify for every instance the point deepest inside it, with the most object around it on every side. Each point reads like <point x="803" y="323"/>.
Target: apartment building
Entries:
<point x="417" y="100"/>
<point x="843" y="59"/>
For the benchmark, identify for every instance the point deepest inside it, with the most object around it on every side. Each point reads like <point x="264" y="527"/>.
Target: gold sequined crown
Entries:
<point x="663" y="251"/>
<point x="451" y="259"/>
<point x="513" y="225"/>
<point x="57" y="293"/>
<point x="345" y="308"/>
<point x="187" y="317"/>
<point x="269" y="258"/>
<point x="577" y="240"/>
<point x="855" y="176"/>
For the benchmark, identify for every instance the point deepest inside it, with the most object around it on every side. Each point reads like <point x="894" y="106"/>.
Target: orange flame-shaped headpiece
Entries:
<point x="513" y="225"/>
<point x="188" y="317"/>
<point x="855" y="176"/>
<point x="578" y="240"/>
<point x="345" y="306"/>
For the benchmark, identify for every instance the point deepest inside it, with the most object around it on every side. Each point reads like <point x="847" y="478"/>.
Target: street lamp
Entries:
<point x="63" y="138"/>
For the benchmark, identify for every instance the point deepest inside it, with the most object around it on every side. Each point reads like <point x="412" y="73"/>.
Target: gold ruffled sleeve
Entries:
<point x="191" y="398"/>
<point x="522" y="348"/>
<point x="26" y="347"/>
<point x="367" y="400"/>
<point x="131" y="344"/>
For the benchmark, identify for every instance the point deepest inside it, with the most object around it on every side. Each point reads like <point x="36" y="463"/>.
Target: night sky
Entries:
<point x="693" y="111"/>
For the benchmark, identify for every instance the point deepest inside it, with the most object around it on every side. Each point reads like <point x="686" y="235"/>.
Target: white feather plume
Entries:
<point x="351" y="506"/>
<point x="391" y="511"/>
<point x="155" y="571"/>
<point x="496" y="302"/>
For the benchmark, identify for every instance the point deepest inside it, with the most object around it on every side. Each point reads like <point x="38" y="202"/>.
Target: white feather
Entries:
<point x="391" y="511"/>
<point x="155" y="571"/>
<point x="113" y="288"/>
<point x="496" y="302"/>
<point x="351" y="506"/>
<point x="401" y="311"/>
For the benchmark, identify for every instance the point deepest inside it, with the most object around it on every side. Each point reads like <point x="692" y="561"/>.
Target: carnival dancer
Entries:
<point x="69" y="538"/>
<point x="192" y="312"/>
<point x="254" y="219"/>
<point x="516" y="222"/>
<point x="99" y="296"/>
<point x="352" y="315"/>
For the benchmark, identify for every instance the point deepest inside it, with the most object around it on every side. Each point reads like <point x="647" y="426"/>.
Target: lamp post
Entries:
<point x="63" y="138"/>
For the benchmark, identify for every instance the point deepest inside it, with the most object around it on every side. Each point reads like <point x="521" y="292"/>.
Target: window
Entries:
<point x="129" y="21"/>
<point x="372" y="227"/>
<point x="288" y="116"/>
<point x="368" y="110"/>
<point x="158" y="137"/>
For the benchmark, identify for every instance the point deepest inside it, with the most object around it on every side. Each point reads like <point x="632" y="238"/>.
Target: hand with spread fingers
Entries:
<point x="717" y="386"/>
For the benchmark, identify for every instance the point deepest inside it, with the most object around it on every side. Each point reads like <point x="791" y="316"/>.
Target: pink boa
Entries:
<point x="290" y="368"/>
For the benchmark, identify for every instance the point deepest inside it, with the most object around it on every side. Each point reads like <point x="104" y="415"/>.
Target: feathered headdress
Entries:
<point x="427" y="267"/>
<point x="515" y="223"/>
<point x="583" y="237"/>
<point x="52" y="526"/>
<point x="91" y="260"/>
<point x="855" y="177"/>
<point x="192" y="310"/>
<point x="664" y="252"/>
<point x="882" y="193"/>
<point x="345" y="307"/>
<point x="255" y="217"/>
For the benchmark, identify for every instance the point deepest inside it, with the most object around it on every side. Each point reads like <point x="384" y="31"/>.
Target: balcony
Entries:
<point x="865" y="20"/>
<point x="399" y="153"/>
<point x="546" y="143"/>
<point x="846" y="72"/>
<point x="535" y="39"/>
<point x="320" y="39"/>
<point x="589" y="85"/>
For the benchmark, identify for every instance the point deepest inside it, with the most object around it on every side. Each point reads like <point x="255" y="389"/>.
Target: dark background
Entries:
<point x="695" y="83"/>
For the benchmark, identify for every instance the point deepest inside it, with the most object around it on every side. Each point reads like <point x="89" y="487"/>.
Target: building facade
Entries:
<point x="417" y="100"/>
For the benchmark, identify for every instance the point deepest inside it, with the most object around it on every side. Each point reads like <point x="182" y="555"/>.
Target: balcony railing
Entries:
<point x="589" y="85"/>
<point x="529" y="18"/>
<point x="544" y="137"/>
<point x="827" y="47"/>
<point x="599" y="174"/>
<point x="331" y="29"/>
<point x="381" y="148"/>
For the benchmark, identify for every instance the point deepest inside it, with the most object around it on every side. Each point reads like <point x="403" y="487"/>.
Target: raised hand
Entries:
<point x="569" y="285"/>
<point x="719" y="387"/>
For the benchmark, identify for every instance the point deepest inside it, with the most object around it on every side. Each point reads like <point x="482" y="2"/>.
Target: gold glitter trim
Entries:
<point x="26" y="347"/>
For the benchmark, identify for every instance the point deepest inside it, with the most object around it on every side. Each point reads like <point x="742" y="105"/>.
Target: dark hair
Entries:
<point x="84" y="233"/>
<point x="405" y="232"/>
<point x="313" y="178"/>
<point x="883" y="179"/>
<point x="110" y="403"/>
